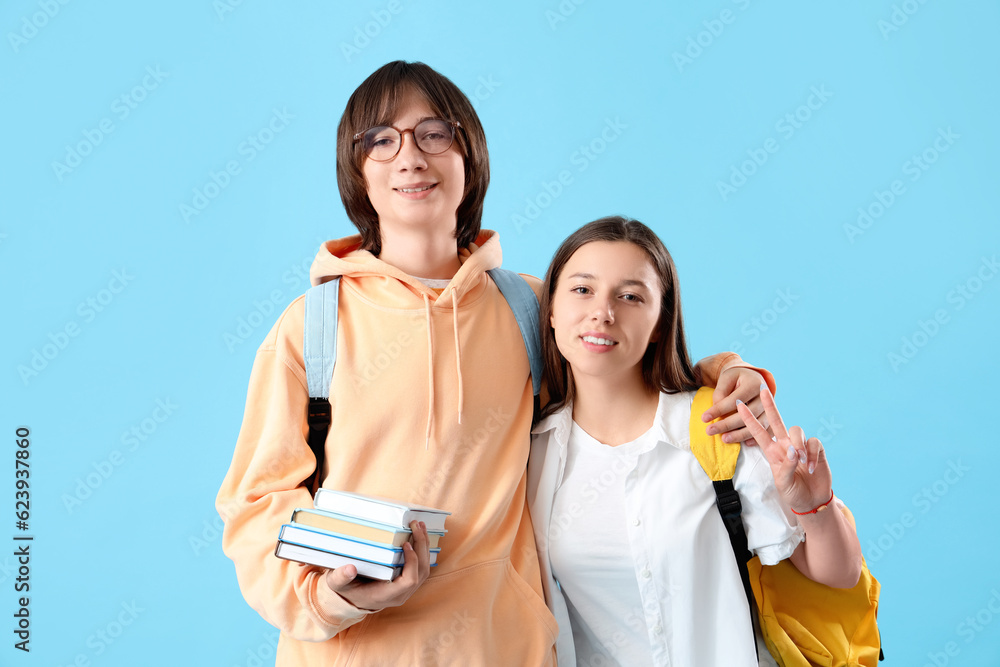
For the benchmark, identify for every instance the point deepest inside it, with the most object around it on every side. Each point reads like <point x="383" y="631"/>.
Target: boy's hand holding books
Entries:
<point x="377" y="551"/>
<point x="373" y="595"/>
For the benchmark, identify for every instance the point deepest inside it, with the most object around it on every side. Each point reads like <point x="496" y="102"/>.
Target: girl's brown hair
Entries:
<point x="376" y="102"/>
<point x="666" y="365"/>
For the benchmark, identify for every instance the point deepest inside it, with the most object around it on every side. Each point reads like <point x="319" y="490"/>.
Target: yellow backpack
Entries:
<point x="803" y="622"/>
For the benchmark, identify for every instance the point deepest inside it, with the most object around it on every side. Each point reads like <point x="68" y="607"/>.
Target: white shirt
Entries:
<point x="644" y="565"/>
<point x="589" y="538"/>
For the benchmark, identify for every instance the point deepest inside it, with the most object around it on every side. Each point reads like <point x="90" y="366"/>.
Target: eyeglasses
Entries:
<point x="432" y="136"/>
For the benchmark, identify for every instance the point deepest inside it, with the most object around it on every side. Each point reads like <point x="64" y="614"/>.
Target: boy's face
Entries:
<point x="416" y="192"/>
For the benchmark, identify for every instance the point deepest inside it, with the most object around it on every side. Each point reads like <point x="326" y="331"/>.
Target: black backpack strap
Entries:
<point x="319" y="426"/>
<point x="728" y="501"/>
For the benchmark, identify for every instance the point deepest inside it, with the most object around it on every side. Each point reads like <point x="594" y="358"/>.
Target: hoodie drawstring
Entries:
<point x="430" y="372"/>
<point x="458" y="353"/>
<point x="430" y="364"/>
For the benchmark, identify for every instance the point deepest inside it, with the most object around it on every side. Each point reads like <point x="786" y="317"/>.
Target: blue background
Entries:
<point x="668" y="101"/>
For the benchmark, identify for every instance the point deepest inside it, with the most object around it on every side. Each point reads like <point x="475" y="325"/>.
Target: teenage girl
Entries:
<point x="637" y="565"/>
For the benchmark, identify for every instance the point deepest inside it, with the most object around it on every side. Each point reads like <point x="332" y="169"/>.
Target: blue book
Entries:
<point x="345" y="545"/>
<point x="309" y="556"/>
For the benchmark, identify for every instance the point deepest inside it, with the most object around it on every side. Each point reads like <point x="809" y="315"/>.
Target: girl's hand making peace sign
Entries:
<point x="831" y="553"/>
<point x="801" y="471"/>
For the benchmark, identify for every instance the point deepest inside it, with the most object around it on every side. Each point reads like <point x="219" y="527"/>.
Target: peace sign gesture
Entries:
<point x="800" y="469"/>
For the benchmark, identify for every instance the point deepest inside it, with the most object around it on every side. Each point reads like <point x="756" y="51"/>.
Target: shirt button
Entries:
<point x="657" y="629"/>
<point x="635" y="522"/>
<point x="645" y="573"/>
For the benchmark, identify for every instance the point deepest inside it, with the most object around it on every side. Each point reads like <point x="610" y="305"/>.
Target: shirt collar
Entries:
<point x="673" y="418"/>
<point x="559" y="421"/>
<point x="670" y="425"/>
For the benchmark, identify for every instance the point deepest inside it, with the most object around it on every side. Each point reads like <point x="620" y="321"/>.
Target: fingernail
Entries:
<point x="423" y="526"/>
<point x="812" y="468"/>
<point x="763" y="387"/>
<point x="791" y="453"/>
<point x="706" y="417"/>
<point x="710" y="430"/>
<point x="739" y="402"/>
<point x="802" y="456"/>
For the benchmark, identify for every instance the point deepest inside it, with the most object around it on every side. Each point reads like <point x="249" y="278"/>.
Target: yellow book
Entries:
<point x="365" y="530"/>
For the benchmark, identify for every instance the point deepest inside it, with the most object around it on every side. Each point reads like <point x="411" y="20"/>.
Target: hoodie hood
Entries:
<point x="397" y="289"/>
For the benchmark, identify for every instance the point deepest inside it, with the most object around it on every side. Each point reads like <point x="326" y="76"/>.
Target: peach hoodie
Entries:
<point x="432" y="404"/>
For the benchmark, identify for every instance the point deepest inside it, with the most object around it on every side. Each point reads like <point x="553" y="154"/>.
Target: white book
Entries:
<point x="345" y="545"/>
<point x="332" y="561"/>
<point x="379" y="509"/>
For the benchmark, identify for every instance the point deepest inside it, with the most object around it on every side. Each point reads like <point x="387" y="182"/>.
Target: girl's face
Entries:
<point x="605" y="309"/>
<point x="415" y="191"/>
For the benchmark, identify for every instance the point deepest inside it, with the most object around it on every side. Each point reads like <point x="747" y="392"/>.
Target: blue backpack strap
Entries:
<point x="319" y="353"/>
<point x="523" y="302"/>
<point x="319" y="347"/>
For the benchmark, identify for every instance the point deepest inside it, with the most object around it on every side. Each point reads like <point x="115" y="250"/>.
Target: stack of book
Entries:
<point x="352" y="529"/>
